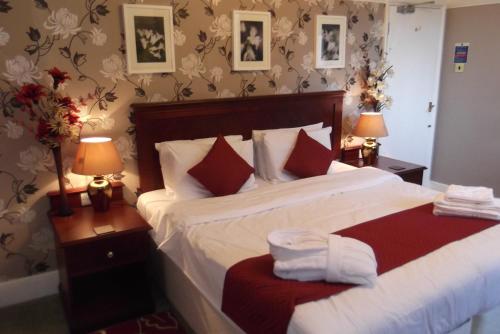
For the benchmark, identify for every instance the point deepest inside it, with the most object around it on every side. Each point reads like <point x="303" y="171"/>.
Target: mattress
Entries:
<point x="433" y="294"/>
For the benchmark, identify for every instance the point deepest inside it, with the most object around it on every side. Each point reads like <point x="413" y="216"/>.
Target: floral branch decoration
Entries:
<point x="373" y="83"/>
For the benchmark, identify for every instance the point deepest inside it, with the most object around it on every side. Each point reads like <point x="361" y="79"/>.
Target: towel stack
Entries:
<point x="306" y="255"/>
<point x="474" y="202"/>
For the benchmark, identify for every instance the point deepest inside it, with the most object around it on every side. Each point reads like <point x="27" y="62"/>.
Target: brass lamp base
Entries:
<point x="100" y="192"/>
<point x="369" y="151"/>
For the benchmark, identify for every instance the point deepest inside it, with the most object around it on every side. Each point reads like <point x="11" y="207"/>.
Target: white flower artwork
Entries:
<point x="221" y="27"/>
<point x="276" y="72"/>
<point x="4" y="37"/>
<point x="42" y="240"/>
<point x="125" y="147"/>
<point x="99" y="38"/>
<point x="35" y="160"/>
<point x="152" y="43"/>
<point x="179" y="37"/>
<point x="308" y="62"/>
<point x="302" y="38"/>
<point x="192" y="66"/>
<point x="283" y="28"/>
<point x="13" y="130"/>
<point x="113" y="68"/>
<point x="62" y="22"/>
<point x="284" y="90"/>
<point x="226" y="93"/>
<point x="21" y="70"/>
<point x="216" y="74"/>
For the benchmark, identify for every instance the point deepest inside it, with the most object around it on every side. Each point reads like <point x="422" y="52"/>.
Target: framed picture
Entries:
<point x="251" y="40"/>
<point x="149" y="38"/>
<point x="330" y="41"/>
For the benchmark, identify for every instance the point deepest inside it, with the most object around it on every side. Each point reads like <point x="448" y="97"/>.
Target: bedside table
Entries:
<point x="103" y="277"/>
<point x="409" y="172"/>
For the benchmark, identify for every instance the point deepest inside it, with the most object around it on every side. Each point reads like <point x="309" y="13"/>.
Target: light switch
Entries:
<point x="459" y="68"/>
<point x="85" y="199"/>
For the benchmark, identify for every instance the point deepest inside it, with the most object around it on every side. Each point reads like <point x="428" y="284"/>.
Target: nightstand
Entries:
<point x="409" y="172"/>
<point x="103" y="276"/>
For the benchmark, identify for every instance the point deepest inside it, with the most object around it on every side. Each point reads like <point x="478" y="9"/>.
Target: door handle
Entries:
<point x="430" y="107"/>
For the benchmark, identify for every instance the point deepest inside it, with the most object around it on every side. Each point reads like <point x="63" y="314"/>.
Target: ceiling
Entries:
<point x="449" y="3"/>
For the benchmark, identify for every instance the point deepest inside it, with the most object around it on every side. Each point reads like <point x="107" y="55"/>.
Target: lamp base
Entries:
<point x="369" y="151"/>
<point x="100" y="193"/>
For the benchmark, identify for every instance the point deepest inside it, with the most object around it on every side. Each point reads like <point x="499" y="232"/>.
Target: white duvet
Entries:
<point x="433" y="294"/>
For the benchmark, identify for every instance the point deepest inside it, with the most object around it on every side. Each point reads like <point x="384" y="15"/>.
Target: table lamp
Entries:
<point x="371" y="126"/>
<point x="98" y="156"/>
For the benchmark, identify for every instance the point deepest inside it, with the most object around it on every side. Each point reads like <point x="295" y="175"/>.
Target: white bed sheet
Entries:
<point x="433" y="294"/>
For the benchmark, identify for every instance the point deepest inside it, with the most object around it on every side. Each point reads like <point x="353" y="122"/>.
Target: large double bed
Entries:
<point x="455" y="288"/>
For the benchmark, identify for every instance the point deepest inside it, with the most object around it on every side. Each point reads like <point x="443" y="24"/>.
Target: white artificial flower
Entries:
<point x="157" y="97"/>
<point x="107" y="123"/>
<point x="308" y="62"/>
<point x="302" y="39"/>
<point x="35" y="160"/>
<point x="284" y="90"/>
<point x="21" y="70"/>
<point x="42" y="241"/>
<point x="378" y="30"/>
<point x="146" y="79"/>
<point x="351" y="38"/>
<point x="113" y="68"/>
<point x="26" y="216"/>
<point x="125" y="147"/>
<point x="226" y="93"/>
<point x="221" y="27"/>
<point x="192" y="66"/>
<point x="13" y="130"/>
<point x="4" y="37"/>
<point x="357" y="60"/>
<point x="216" y="74"/>
<point x="283" y="28"/>
<point x="276" y="72"/>
<point x="99" y="38"/>
<point x="179" y="37"/>
<point x="63" y="23"/>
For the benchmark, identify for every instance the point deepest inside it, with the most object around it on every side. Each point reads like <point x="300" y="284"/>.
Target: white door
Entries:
<point x="414" y="47"/>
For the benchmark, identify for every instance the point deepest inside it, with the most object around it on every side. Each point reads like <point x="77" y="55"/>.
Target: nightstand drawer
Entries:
<point x="106" y="253"/>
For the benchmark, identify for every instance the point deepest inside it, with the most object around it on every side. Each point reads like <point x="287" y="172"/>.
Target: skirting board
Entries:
<point x="24" y="289"/>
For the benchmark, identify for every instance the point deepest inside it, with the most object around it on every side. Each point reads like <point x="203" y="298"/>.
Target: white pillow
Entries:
<point x="210" y="140"/>
<point x="177" y="157"/>
<point x="278" y="147"/>
<point x="258" y="141"/>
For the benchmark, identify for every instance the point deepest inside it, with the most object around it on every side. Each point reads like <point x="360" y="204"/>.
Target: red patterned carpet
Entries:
<point x="161" y="323"/>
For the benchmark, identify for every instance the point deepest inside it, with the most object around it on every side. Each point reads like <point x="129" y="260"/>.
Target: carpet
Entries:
<point x="158" y="323"/>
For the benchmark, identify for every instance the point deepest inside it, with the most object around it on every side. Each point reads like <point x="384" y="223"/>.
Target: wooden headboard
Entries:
<point x="157" y="122"/>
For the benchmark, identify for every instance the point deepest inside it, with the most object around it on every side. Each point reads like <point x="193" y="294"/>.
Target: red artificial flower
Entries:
<point x="43" y="129"/>
<point x="67" y="103"/>
<point x="58" y="76"/>
<point x="29" y="94"/>
<point x="73" y="118"/>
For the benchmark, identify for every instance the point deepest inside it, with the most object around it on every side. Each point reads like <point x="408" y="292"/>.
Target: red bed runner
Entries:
<point x="260" y="302"/>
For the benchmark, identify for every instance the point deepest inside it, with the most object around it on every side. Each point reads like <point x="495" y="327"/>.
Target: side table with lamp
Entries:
<point x="102" y="250"/>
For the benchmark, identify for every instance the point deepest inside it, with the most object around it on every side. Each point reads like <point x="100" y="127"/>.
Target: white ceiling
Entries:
<point x="449" y="3"/>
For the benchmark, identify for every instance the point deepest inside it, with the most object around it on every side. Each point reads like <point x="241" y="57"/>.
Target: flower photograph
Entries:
<point x="252" y="48"/>
<point x="330" y="41"/>
<point x="330" y="44"/>
<point x="149" y="39"/>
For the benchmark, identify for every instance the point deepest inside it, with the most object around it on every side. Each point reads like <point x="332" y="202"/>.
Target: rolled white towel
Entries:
<point x="441" y="201"/>
<point x="306" y="255"/>
<point x="478" y="195"/>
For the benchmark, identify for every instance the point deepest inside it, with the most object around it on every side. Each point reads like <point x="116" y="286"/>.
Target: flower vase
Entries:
<point x="63" y="209"/>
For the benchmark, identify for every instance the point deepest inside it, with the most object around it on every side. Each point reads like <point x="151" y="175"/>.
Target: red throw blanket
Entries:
<point x="260" y="302"/>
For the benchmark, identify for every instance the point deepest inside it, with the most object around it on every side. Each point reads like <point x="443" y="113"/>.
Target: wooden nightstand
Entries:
<point x="103" y="277"/>
<point x="409" y="172"/>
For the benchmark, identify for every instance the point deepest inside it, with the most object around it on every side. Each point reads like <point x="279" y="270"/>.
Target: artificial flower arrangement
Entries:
<point x="55" y="119"/>
<point x="373" y="85"/>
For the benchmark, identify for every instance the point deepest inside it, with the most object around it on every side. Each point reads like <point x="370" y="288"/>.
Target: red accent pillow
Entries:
<point x="222" y="171"/>
<point x="308" y="158"/>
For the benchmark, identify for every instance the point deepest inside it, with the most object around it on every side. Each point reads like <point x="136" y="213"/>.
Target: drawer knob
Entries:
<point x="110" y="255"/>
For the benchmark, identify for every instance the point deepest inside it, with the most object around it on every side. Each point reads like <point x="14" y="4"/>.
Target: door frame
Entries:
<point x="437" y="89"/>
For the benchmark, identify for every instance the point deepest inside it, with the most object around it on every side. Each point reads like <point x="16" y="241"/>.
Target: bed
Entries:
<point x="195" y="258"/>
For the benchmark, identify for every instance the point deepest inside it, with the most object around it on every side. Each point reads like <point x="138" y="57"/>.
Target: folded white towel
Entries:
<point x="443" y="210"/>
<point x="477" y="195"/>
<point x="441" y="201"/>
<point x="306" y="255"/>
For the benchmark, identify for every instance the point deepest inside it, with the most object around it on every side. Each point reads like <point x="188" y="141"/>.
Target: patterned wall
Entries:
<point x="84" y="37"/>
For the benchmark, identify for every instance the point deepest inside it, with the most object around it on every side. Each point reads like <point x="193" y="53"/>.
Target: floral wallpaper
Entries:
<point x="85" y="38"/>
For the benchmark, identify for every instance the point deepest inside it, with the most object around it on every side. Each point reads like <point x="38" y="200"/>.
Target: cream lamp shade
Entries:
<point x="371" y="125"/>
<point x="97" y="156"/>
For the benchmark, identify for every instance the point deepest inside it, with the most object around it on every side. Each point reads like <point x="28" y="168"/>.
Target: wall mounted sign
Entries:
<point x="461" y="55"/>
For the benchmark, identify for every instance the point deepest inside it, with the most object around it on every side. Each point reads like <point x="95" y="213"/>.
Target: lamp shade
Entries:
<point x="97" y="156"/>
<point x="372" y="125"/>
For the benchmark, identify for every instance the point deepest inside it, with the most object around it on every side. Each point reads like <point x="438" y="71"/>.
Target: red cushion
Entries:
<point x="308" y="158"/>
<point x="222" y="171"/>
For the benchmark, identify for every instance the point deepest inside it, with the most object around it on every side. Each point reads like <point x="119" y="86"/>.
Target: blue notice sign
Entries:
<point x="461" y="53"/>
